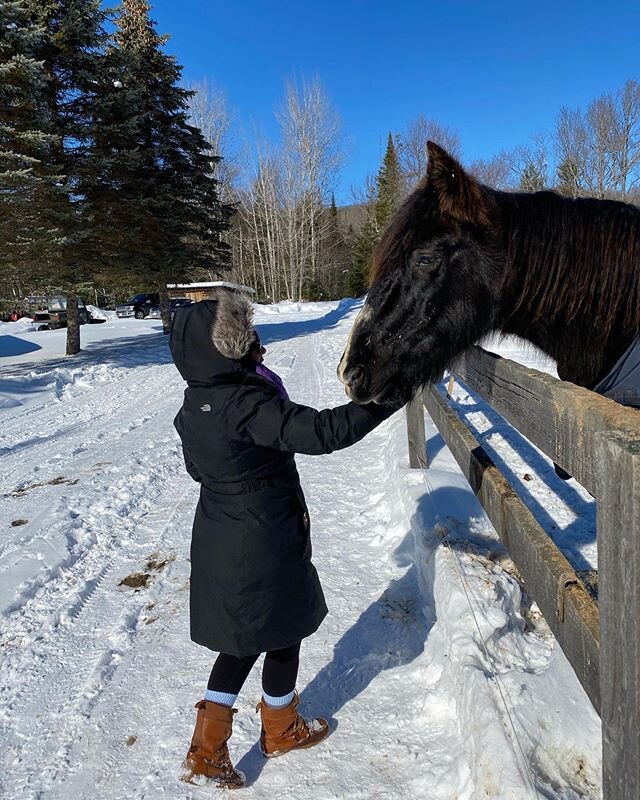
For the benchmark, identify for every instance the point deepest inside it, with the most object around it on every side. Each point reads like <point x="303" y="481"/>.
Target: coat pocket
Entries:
<point x="305" y="525"/>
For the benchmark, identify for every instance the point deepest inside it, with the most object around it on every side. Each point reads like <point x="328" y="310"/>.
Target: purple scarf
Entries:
<point x="273" y="379"/>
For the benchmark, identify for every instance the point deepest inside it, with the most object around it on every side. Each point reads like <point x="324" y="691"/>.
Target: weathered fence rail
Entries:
<point x="597" y="441"/>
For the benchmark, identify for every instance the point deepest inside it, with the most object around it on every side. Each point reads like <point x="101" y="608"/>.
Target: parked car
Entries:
<point x="51" y="313"/>
<point x="138" y="306"/>
<point x="175" y="302"/>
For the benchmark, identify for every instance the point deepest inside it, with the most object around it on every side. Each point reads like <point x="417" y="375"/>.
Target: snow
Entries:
<point x="291" y="306"/>
<point x="439" y="676"/>
<point x="19" y="326"/>
<point x="102" y="342"/>
<point x="101" y="313"/>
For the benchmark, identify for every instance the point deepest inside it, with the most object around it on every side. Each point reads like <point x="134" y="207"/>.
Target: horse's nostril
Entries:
<point x="355" y="377"/>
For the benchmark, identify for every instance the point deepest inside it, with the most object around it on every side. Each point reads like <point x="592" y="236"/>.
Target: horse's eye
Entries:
<point x="425" y="260"/>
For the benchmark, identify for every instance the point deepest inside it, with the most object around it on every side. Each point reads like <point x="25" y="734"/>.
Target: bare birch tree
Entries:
<point x="530" y="164"/>
<point x="626" y="138"/>
<point x="599" y="161"/>
<point x="496" y="172"/>
<point x="210" y="112"/>
<point x="412" y="146"/>
<point x="598" y="151"/>
<point x="313" y="152"/>
<point x="571" y="140"/>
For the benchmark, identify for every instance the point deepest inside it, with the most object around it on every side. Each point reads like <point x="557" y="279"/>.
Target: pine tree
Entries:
<point x="70" y="50"/>
<point x="160" y="181"/>
<point x="333" y="208"/>
<point x="568" y="174"/>
<point x="24" y="234"/>
<point x="532" y="179"/>
<point x="362" y="252"/>
<point x="335" y="254"/>
<point x="389" y="185"/>
<point x="388" y="194"/>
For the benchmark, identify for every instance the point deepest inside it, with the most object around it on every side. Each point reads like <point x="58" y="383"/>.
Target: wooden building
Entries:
<point x="204" y="291"/>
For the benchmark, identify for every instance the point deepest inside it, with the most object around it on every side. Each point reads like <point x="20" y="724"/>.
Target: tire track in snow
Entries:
<point x="101" y="413"/>
<point x="82" y="461"/>
<point x="121" y="638"/>
<point x="92" y="531"/>
<point x="67" y="669"/>
<point x="52" y="416"/>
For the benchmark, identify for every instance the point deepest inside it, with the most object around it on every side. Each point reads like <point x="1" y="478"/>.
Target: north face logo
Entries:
<point x="205" y="407"/>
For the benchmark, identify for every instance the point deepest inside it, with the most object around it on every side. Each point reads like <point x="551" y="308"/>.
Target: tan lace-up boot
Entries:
<point x="209" y="754"/>
<point x="283" y="729"/>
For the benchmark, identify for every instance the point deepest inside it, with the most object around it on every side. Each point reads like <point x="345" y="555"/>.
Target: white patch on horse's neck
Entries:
<point x="363" y="316"/>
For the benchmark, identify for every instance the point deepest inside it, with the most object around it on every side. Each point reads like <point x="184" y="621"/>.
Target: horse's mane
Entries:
<point x="568" y="257"/>
<point x="564" y="257"/>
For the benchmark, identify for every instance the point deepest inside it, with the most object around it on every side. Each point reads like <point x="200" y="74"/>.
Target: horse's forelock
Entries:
<point x="406" y="230"/>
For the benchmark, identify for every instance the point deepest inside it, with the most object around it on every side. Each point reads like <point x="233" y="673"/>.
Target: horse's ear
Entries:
<point x="459" y="195"/>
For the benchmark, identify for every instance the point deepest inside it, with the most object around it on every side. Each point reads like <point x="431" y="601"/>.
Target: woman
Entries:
<point x="253" y="587"/>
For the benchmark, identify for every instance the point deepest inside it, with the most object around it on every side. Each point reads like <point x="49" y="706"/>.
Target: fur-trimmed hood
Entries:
<point x="209" y="338"/>
<point x="233" y="332"/>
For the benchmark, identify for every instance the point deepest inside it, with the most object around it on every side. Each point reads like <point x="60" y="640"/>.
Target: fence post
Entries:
<point x="618" y="514"/>
<point x="416" y="436"/>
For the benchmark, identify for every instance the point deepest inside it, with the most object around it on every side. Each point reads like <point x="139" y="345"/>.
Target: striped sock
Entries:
<point x="278" y="702"/>
<point x="222" y="698"/>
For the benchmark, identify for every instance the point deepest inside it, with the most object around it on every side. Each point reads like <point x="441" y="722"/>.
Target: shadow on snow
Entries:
<point x="393" y="630"/>
<point x="579" y="532"/>
<point x="14" y="346"/>
<point x="271" y="332"/>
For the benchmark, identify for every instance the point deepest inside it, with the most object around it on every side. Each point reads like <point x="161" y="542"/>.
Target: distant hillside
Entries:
<point x="352" y="216"/>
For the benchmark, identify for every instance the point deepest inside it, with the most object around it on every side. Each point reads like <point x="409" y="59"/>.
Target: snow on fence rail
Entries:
<point x="598" y="442"/>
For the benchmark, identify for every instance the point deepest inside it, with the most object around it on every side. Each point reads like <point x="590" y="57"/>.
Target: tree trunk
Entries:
<point x="73" y="325"/>
<point x="165" y="312"/>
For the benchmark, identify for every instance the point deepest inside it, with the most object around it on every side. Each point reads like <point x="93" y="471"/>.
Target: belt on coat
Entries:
<point x="287" y="477"/>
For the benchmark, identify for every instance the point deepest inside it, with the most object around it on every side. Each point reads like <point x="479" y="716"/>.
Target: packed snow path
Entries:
<point x="98" y="678"/>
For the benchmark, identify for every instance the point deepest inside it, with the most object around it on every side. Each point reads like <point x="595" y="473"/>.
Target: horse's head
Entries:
<point x="434" y="286"/>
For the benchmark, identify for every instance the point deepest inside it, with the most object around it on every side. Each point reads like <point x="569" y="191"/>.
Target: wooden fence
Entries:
<point x="598" y="442"/>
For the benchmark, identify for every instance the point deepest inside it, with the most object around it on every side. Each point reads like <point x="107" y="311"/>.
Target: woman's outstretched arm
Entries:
<point x="283" y="425"/>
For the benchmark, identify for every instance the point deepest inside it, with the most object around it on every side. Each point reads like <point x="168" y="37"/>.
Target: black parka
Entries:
<point x="253" y="586"/>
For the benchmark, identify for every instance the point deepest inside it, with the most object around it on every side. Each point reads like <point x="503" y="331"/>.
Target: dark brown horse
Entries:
<point x="461" y="260"/>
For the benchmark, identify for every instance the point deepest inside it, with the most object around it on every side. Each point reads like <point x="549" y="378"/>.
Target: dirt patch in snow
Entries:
<point x="157" y="563"/>
<point x="59" y="481"/>
<point x="137" y="580"/>
<point x="140" y="580"/>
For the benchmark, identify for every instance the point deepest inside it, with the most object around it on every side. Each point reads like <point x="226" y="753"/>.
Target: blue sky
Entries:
<point x="495" y="71"/>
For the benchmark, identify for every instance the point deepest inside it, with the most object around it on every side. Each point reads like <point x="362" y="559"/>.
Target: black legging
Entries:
<point x="279" y="672"/>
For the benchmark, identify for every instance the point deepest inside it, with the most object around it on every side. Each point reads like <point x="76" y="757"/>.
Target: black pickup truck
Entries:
<point x="138" y="306"/>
